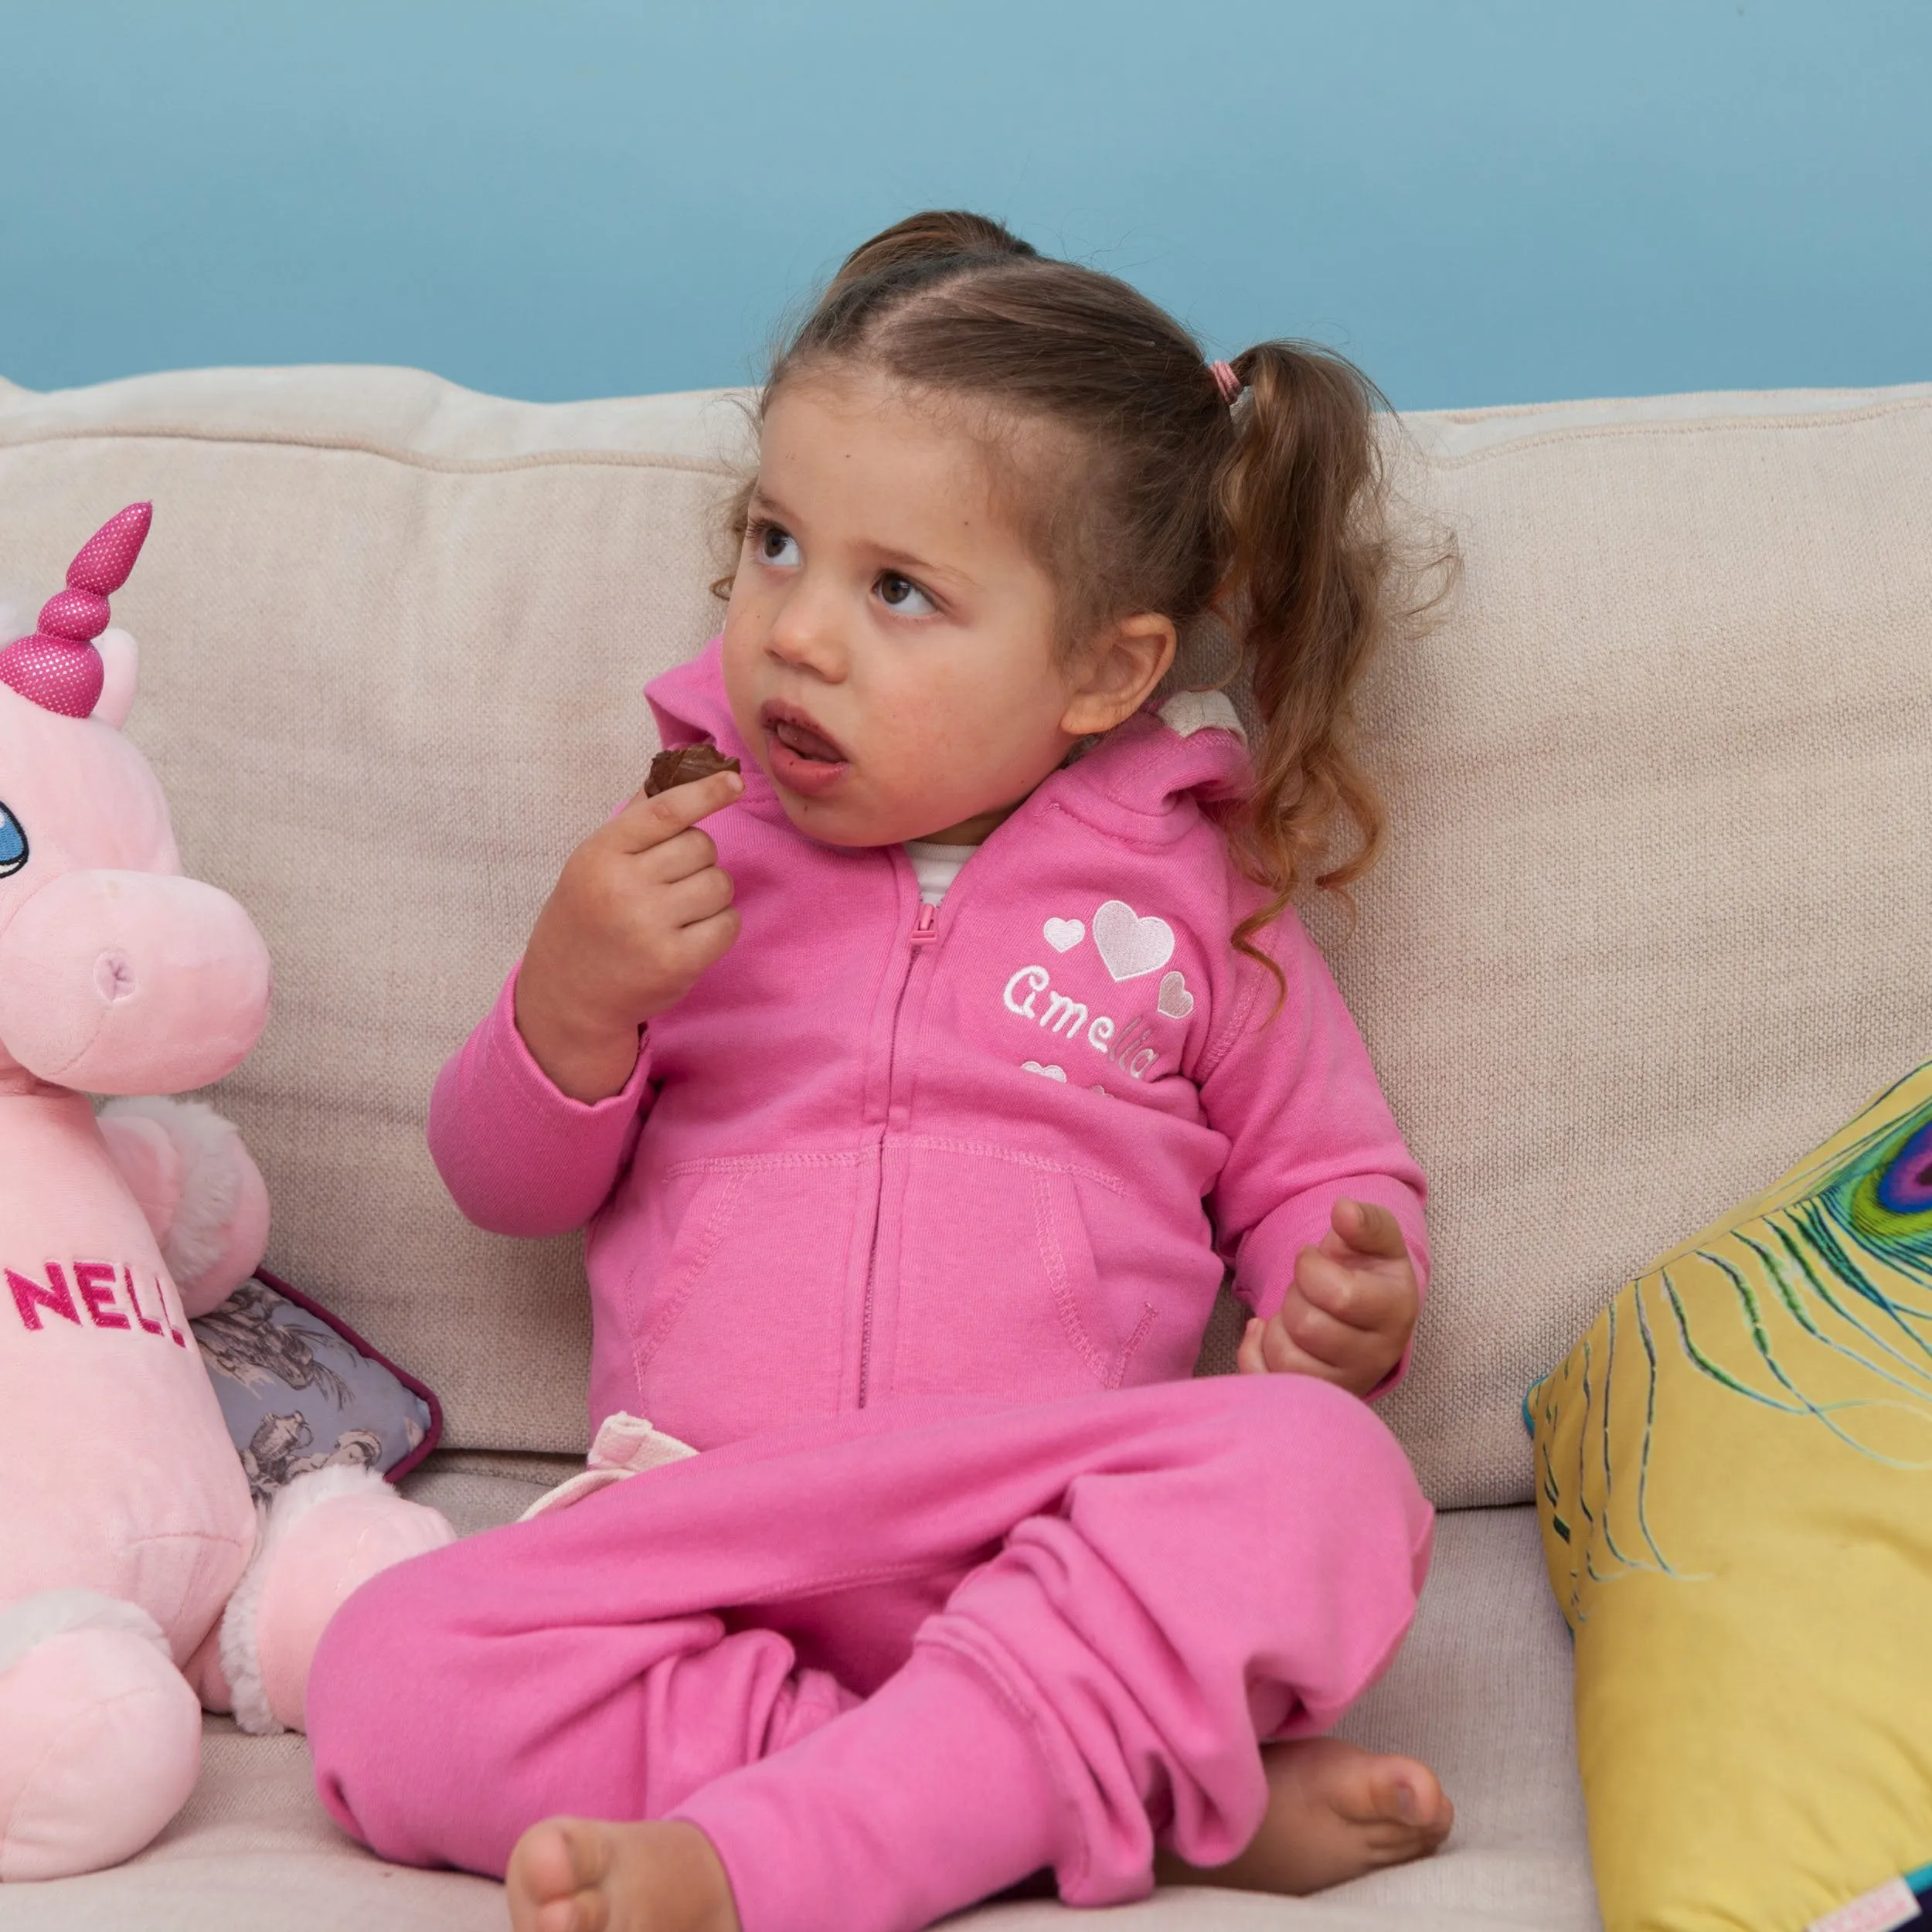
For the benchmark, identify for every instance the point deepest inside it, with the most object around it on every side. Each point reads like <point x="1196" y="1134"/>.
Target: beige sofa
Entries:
<point x="1657" y="915"/>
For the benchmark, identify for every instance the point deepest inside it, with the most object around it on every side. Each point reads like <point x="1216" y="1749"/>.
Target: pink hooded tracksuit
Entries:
<point x="910" y="1218"/>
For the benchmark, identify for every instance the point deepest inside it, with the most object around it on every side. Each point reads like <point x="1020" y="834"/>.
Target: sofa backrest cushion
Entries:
<point x="1657" y="911"/>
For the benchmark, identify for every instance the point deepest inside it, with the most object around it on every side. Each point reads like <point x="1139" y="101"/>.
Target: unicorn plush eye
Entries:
<point x="13" y="844"/>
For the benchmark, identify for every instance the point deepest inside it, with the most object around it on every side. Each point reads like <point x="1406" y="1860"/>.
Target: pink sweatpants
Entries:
<point x="893" y="1663"/>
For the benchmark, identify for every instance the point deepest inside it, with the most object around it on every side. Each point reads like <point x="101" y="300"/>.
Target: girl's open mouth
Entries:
<point x="800" y="756"/>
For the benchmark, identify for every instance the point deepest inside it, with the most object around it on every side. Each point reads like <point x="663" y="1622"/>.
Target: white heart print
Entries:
<point x="1051" y="1073"/>
<point x="1064" y="934"/>
<point x="1129" y="945"/>
<point x="1176" y="1001"/>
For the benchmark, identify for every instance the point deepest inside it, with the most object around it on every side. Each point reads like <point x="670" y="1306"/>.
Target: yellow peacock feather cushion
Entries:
<point x="1734" y="1477"/>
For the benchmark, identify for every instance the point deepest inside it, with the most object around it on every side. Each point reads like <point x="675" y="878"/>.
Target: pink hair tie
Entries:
<point x="1226" y="382"/>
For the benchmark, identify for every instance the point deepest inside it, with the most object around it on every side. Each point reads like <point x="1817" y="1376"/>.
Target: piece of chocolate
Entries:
<point x="686" y="766"/>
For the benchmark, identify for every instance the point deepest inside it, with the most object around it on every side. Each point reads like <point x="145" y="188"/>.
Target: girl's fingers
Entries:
<point x="1359" y="1298"/>
<point x="1369" y="1228"/>
<point x="1248" y="1358"/>
<point x="1300" y="1339"/>
<point x="647" y="822"/>
<point x="693" y="900"/>
<point x="1267" y="1349"/>
<point x="679" y="856"/>
<point x="1312" y="1332"/>
<point x="707" y="939"/>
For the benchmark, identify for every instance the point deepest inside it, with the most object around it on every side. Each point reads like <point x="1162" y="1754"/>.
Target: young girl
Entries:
<point x="914" y="1112"/>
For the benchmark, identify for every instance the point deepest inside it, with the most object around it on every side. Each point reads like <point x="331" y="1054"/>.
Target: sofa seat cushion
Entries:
<point x="1482" y="1692"/>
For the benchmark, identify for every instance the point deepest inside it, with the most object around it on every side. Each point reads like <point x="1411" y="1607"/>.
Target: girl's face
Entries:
<point x="889" y="650"/>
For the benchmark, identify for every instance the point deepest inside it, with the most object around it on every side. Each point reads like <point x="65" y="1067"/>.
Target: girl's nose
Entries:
<point x="806" y="635"/>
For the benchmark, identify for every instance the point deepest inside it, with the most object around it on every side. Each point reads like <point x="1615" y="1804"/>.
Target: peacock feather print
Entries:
<point x="1734" y="1488"/>
<point x="1811" y="1306"/>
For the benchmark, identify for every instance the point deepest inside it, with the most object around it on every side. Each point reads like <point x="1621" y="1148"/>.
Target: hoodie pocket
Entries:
<point x="738" y="1322"/>
<point x="997" y="1293"/>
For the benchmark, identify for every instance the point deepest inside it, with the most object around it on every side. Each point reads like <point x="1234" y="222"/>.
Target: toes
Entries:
<point x="584" y="1875"/>
<point x="1436" y="1829"/>
<point x="553" y="1875"/>
<point x="592" y="1853"/>
<point x="1398" y="1791"/>
<point x="540" y="1870"/>
<point x="585" y="1912"/>
<point x="560" y="1915"/>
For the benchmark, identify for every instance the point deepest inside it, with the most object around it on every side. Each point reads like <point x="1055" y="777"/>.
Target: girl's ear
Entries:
<point x="1114" y="676"/>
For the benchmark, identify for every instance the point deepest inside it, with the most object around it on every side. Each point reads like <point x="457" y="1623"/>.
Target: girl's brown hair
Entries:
<point x="1156" y="496"/>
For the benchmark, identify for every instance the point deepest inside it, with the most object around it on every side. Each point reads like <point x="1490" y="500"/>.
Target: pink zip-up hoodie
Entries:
<point x="1000" y="1147"/>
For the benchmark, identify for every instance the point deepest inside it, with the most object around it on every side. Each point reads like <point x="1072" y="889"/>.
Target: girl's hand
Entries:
<point x="640" y="910"/>
<point x="1349" y="1312"/>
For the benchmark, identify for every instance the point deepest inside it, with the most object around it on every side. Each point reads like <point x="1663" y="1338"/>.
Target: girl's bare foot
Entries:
<point x="584" y="1875"/>
<point x="1335" y="1812"/>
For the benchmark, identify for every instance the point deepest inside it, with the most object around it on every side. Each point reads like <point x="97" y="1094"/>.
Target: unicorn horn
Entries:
<point x="58" y="667"/>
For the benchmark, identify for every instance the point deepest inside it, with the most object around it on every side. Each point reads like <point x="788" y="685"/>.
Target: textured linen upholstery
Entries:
<point x="1653" y="919"/>
<point x="1655" y="781"/>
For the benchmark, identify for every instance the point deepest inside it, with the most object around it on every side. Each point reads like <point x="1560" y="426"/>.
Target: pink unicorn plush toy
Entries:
<point x="137" y="1584"/>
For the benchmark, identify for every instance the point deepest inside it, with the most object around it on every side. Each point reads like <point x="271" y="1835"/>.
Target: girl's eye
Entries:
<point x="13" y="843"/>
<point x="775" y="545"/>
<point x="903" y="595"/>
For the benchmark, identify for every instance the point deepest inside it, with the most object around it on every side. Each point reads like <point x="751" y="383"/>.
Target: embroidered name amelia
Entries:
<point x="1127" y="1046"/>
<point x="36" y="1301"/>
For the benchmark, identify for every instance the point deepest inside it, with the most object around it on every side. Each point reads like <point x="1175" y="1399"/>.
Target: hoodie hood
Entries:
<point x="1190" y="746"/>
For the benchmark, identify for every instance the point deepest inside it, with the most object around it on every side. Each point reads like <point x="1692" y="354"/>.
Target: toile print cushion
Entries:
<point x="1734" y="1478"/>
<point x="301" y="1390"/>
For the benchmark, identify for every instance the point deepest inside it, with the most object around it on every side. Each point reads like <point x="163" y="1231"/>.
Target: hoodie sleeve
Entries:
<point x="518" y="1155"/>
<point x="1294" y="1092"/>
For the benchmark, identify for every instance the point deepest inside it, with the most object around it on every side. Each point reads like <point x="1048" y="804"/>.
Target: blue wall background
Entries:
<point x="1482" y="203"/>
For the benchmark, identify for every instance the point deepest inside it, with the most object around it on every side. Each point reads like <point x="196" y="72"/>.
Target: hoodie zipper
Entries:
<point x="925" y="930"/>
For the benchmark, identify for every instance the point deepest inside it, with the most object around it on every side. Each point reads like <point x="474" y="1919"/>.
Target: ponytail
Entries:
<point x="1302" y="501"/>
